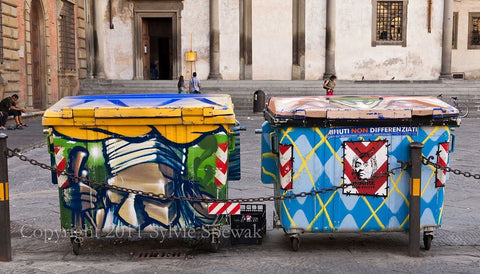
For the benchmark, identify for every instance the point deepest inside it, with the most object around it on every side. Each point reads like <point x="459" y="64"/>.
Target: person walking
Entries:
<point x="181" y="86"/>
<point x="194" y="84"/>
<point x="330" y="84"/>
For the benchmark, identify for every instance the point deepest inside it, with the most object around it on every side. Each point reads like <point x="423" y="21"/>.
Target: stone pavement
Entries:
<point x="36" y="246"/>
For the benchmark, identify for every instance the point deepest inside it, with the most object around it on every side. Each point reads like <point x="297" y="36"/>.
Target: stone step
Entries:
<point x="242" y="92"/>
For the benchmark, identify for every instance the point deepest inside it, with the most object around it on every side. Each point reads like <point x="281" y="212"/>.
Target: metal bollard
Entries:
<point x="5" y="239"/>
<point x="415" y="190"/>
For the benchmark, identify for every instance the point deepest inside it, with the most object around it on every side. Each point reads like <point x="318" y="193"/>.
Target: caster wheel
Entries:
<point x="295" y="241"/>
<point x="75" y="245"/>
<point x="214" y="244"/>
<point x="427" y="241"/>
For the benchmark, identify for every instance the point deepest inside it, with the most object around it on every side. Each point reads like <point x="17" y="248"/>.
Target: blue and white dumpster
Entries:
<point x="357" y="149"/>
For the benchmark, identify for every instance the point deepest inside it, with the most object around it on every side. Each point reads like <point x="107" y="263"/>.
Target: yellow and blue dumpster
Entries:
<point x="356" y="148"/>
<point x="132" y="145"/>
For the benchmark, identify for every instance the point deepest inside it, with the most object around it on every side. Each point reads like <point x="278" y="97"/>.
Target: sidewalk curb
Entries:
<point x="29" y="114"/>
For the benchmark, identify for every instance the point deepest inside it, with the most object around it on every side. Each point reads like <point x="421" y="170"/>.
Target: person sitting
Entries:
<point x="9" y="106"/>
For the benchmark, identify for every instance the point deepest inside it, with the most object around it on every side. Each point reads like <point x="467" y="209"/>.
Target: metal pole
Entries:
<point x="415" y="190"/>
<point x="5" y="240"/>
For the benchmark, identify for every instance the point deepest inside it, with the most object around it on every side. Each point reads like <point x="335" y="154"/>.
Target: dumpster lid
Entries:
<point x="141" y="109"/>
<point x="345" y="110"/>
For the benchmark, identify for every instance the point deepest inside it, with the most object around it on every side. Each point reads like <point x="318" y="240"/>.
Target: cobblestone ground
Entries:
<point x="455" y="248"/>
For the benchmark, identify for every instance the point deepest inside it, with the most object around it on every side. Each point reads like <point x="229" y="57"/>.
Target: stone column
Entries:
<point x="214" y="41"/>
<point x="446" y="72"/>
<point x="330" y="40"/>
<point x="245" y="33"/>
<point x="99" y="37"/>
<point x="298" y="40"/>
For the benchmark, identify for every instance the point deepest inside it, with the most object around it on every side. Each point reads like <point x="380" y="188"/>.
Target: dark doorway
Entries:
<point x="37" y="64"/>
<point x="160" y="43"/>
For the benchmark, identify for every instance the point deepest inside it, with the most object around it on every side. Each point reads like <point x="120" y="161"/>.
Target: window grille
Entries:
<point x="67" y="37"/>
<point x="474" y="31"/>
<point x="389" y="21"/>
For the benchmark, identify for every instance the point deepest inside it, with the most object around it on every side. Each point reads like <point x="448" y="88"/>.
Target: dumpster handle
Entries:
<point x="452" y="149"/>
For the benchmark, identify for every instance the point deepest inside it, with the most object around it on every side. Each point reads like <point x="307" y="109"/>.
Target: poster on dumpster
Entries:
<point x="365" y="168"/>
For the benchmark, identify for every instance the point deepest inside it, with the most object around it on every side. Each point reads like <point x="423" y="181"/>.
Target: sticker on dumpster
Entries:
<point x="286" y="155"/>
<point x="224" y="208"/>
<point x="61" y="163"/>
<point x="221" y="164"/>
<point x="442" y="160"/>
<point x="372" y="131"/>
<point x="365" y="167"/>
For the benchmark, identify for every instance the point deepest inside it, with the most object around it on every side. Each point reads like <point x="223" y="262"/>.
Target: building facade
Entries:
<point x="50" y="46"/>
<point x="285" y="40"/>
<point x="51" y="38"/>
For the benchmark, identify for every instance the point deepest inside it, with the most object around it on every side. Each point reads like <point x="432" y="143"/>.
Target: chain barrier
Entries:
<point x="427" y="161"/>
<point x="91" y="183"/>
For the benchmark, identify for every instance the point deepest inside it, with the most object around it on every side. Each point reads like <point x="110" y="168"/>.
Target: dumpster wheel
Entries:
<point x="75" y="245"/>
<point x="295" y="241"/>
<point x="427" y="241"/>
<point x="215" y="242"/>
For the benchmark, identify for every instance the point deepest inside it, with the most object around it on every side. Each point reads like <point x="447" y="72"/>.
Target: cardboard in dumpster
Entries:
<point x="160" y="143"/>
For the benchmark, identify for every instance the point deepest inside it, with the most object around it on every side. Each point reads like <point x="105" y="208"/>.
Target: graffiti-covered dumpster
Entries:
<point x="341" y="162"/>
<point x="150" y="162"/>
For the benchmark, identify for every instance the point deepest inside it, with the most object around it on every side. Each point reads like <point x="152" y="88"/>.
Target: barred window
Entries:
<point x="455" y="30"/>
<point x="474" y="30"/>
<point x="390" y="18"/>
<point x="66" y="37"/>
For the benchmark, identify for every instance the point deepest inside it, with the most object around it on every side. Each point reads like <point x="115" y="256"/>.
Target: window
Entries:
<point x="67" y="37"/>
<point x="474" y="30"/>
<point x="389" y="22"/>
<point x="455" y="30"/>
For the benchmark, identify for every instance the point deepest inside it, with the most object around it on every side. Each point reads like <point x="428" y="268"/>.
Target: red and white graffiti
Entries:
<point x="442" y="160"/>
<point x="221" y="163"/>
<point x="286" y="166"/>
<point x="224" y="208"/>
<point x="365" y="168"/>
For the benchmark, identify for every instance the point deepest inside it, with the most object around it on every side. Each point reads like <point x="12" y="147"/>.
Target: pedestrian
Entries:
<point x="154" y="70"/>
<point x="194" y="84"/>
<point x="9" y="106"/>
<point x="182" y="87"/>
<point x="329" y="85"/>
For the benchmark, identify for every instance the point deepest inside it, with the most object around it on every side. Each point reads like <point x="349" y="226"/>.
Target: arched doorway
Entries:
<point x="37" y="55"/>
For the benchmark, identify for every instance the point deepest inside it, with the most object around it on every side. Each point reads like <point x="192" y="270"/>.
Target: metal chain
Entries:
<point x="16" y="153"/>
<point x="427" y="161"/>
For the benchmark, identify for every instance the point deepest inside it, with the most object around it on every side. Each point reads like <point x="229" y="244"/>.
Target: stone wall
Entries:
<point x="10" y="67"/>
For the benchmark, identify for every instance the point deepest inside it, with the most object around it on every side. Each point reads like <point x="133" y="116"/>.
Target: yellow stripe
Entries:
<point x="441" y="208"/>
<point x="288" y="214"/>
<point x="405" y="221"/>
<point x="264" y="171"/>
<point x="374" y="214"/>
<point x="415" y="186"/>
<point x="2" y="192"/>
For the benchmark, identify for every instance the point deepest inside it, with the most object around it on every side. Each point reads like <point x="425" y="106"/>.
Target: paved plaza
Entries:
<point x="39" y="246"/>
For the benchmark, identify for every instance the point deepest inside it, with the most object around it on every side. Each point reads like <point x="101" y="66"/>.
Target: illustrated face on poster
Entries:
<point x="365" y="168"/>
